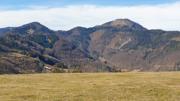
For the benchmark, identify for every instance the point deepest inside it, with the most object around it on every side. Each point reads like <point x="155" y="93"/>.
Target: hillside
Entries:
<point x="119" y="45"/>
<point x="91" y="87"/>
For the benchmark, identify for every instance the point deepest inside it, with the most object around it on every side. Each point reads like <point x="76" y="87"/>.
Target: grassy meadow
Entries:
<point x="164" y="86"/>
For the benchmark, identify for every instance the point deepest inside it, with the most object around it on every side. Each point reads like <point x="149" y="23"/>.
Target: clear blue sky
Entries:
<point x="54" y="3"/>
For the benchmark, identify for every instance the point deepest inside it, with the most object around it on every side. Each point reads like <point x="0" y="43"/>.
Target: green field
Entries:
<point x="91" y="87"/>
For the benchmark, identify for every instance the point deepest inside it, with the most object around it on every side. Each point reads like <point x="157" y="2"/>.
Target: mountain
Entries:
<point x="119" y="45"/>
<point x="123" y="24"/>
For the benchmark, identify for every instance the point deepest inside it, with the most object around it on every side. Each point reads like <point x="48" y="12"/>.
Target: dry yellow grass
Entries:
<point x="91" y="87"/>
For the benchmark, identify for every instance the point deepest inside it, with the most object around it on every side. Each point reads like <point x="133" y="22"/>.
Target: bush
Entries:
<point x="61" y="65"/>
<point x="57" y="70"/>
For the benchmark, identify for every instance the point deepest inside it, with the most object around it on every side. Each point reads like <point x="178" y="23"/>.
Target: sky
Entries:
<point x="23" y="3"/>
<point x="66" y="14"/>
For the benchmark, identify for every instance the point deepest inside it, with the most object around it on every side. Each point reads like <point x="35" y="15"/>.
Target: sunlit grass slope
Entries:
<point x="91" y="87"/>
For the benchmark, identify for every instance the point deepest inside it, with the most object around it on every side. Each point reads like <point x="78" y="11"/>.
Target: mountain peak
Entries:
<point x="34" y="25"/>
<point x="120" y="22"/>
<point x="124" y="23"/>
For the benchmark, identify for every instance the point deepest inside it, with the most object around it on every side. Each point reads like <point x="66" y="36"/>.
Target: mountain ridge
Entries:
<point x="118" y="45"/>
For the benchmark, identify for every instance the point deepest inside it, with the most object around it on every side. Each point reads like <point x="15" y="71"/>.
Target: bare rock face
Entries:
<point x="119" y="45"/>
